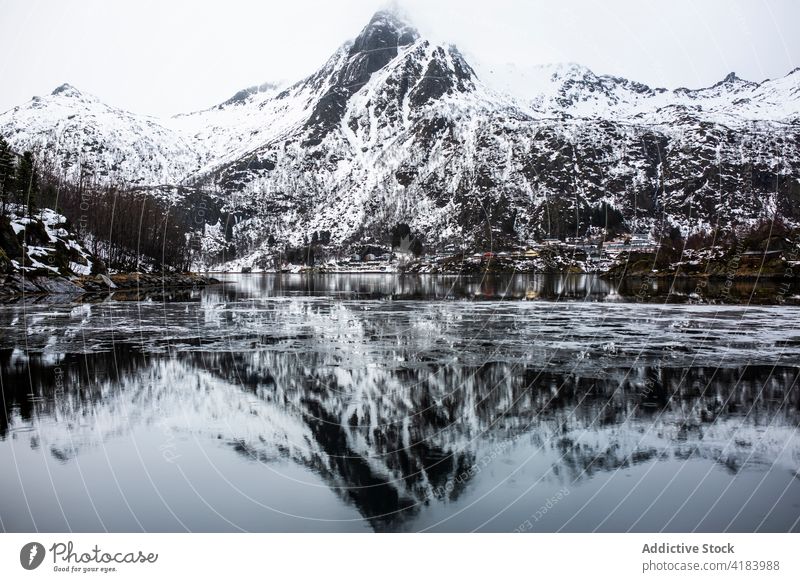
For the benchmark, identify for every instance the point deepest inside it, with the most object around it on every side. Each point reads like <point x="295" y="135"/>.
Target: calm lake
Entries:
<point x="387" y="403"/>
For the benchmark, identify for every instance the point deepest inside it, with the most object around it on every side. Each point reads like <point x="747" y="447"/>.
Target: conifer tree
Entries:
<point x="6" y="175"/>
<point x="27" y="182"/>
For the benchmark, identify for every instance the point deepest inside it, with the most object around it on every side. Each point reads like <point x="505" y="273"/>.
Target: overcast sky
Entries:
<point x="164" y="57"/>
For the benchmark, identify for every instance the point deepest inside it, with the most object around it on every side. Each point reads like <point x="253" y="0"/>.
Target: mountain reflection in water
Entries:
<point x="317" y="409"/>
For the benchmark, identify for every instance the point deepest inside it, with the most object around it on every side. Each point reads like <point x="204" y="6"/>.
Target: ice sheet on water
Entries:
<point x="561" y="334"/>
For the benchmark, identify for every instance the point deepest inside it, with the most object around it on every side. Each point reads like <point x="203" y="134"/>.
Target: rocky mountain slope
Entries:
<point x="393" y="128"/>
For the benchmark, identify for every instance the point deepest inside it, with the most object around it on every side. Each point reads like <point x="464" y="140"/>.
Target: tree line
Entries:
<point x="126" y="229"/>
<point x="19" y="181"/>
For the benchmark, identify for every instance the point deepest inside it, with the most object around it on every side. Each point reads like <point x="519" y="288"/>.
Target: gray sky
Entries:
<point x="165" y="57"/>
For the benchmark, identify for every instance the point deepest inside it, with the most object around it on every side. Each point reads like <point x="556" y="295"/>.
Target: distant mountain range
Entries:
<point x="394" y="129"/>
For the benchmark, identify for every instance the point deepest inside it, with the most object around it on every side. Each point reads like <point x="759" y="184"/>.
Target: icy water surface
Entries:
<point x="358" y="403"/>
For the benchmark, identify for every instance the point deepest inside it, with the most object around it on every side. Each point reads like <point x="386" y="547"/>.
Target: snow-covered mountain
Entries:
<point x="393" y="128"/>
<point x="574" y="90"/>
<point x="78" y="130"/>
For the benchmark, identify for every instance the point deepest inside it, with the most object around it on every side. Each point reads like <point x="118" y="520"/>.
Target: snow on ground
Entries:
<point x="46" y="256"/>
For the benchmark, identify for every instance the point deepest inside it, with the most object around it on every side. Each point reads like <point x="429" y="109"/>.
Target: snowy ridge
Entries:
<point x="575" y="90"/>
<point x="72" y="129"/>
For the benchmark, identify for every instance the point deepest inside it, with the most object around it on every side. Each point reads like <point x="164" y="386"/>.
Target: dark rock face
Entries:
<point x="66" y="88"/>
<point x="372" y="50"/>
<point x="439" y="79"/>
<point x="377" y="44"/>
<point x="9" y="243"/>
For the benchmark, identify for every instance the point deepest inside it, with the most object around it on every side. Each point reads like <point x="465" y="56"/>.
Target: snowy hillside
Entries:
<point x="395" y="129"/>
<point x="78" y="130"/>
<point x="575" y="90"/>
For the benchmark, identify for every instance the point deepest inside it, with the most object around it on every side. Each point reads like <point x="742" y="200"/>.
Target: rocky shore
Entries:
<point x="16" y="284"/>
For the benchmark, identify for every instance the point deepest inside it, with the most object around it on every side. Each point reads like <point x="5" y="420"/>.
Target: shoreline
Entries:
<point x="41" y="285"/>
<point x="605" y="275"/>
<point x="692" y="288"/>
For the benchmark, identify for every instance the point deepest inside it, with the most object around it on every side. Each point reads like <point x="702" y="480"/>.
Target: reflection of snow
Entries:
<point x="172" y="397"/>
<point x="405" y="397"/>
<point x="523" y="332"/>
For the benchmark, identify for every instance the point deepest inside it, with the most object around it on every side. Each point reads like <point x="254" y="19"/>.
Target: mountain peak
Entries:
<point x="394" y="14"/>
<point x="66" y="90"/>
<point x="242" y="96"/>
<point x="569" y="69"/>
<point x="386" y="32"/>
<point x="731" y="78"/>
